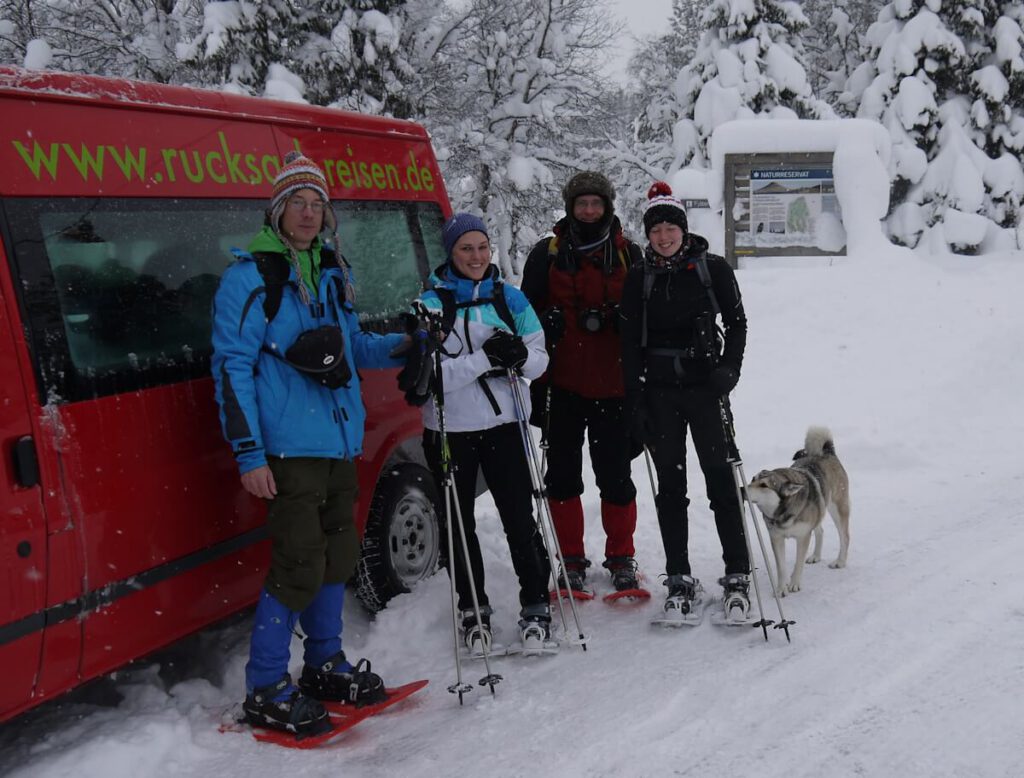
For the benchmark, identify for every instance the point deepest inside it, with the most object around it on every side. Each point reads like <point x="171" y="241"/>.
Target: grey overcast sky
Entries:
<point x="642" y="17"/>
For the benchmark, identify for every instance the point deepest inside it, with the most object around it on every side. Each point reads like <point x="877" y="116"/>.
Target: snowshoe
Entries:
<point x="338" y="681"/>
<point x="684" y="606"/>
<point x="477" y="635"/>
<point x="735" y="599"/>
<point x="625" y="579"/>
<point x="283" y="707"/>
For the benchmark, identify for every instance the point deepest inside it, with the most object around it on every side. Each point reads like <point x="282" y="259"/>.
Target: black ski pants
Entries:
<point x="671" y="412"/>
<point x="604" y="423"/>
<point x="499" y="453"/>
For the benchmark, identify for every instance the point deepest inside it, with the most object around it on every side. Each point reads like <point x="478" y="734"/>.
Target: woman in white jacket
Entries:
<point x="489" y="328"/>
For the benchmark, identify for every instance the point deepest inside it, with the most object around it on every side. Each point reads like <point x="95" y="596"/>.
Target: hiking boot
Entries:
<point x="574" y="574"/>
<point x="338" y="681"/>
<point x="685" y="594"/>
<point x="624" y="572"/>
<point x="477" y="635"/>
<point x="283" y="707"/>
<point x="736" y="596"/>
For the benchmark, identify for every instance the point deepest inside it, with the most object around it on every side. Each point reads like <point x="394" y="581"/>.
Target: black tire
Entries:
<point x="402" y="539"/>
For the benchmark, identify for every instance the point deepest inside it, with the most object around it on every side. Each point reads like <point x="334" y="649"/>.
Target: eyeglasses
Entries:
<point x="298" y="205"/>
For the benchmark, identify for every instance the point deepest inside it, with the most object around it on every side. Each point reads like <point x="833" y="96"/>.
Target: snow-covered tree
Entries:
<point x="933" y="81"/>
<point x="241" y="40"/>
<point x="132" y="38"/>
<point x="515" y="82"/>
<point x="355" y="55"/>
<point x="750" y="62"/>
<point x="833" y="49"/>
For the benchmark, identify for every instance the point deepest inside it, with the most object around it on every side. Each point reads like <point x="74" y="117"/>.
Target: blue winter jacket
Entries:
<point x="267" y="408"/>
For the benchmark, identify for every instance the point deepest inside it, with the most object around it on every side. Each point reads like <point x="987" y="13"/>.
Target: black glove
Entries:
<point x="723" y="379"/>
<point x="505" y="350"/>
<point x="416" y="377"/>
<point x="553" y="322"/>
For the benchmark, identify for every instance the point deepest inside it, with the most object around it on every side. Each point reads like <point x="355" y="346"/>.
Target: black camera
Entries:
<point x="595" y="319"/>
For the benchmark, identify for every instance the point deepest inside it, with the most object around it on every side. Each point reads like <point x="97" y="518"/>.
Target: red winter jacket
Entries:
<point x="557" y="276"/>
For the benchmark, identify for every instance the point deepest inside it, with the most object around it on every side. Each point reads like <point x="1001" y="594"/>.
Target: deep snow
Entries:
<point x="907" y="663"/>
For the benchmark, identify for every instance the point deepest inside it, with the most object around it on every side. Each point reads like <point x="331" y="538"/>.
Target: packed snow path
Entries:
<point x="908" y="662"/>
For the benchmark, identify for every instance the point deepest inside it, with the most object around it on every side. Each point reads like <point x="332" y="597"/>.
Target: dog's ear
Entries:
<point x="762" y="474"/>
<point x="799" y="455"/>
<point x="789" y="489"/>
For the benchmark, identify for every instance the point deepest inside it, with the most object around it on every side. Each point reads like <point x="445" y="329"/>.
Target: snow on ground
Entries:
<point x="908" y="662"/>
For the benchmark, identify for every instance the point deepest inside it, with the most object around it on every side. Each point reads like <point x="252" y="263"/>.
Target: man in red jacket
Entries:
<point x="574" y="282"/>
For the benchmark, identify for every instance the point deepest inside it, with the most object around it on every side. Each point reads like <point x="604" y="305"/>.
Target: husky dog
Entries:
<point x="793" y="501"/>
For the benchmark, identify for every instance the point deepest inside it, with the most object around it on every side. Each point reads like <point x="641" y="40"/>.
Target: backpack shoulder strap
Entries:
<point x="447" y="298"/>
<point x="700" y="263"/>
<point x="500" y="303"/>
<point x="275" y="270"/>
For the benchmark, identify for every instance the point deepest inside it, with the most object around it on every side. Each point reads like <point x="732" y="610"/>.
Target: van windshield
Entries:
<point x="117" y="293"/>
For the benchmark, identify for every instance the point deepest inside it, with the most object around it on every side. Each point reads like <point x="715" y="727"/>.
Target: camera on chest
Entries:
<point x="594" y="320"/>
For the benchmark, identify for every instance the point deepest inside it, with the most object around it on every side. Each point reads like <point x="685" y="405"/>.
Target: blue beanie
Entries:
<point x="459" y="225"/>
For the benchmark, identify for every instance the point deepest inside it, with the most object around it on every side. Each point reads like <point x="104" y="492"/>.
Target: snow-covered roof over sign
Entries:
<point x="754" y="136"/>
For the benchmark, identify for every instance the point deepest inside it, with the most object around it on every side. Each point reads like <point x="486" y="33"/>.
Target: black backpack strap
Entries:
<point x="275" y="270"/>
<point x="700" y="264"/>
<point x="500" y="303"/>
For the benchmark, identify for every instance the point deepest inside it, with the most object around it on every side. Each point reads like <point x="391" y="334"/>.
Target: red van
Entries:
<point x="123" y="525"/>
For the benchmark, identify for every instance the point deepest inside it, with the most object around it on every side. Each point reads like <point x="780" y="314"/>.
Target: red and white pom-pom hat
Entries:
<point x="663" y="207"/>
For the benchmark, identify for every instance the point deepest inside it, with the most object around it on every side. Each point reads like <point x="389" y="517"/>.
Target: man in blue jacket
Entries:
<point x="285" y="307"/>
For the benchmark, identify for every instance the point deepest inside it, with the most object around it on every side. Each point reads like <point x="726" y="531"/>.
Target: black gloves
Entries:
<point x="723" y="379"/>
<point x="505" y="350"/>
<point x="553" y="323"/>
<point x="415" y="378"/>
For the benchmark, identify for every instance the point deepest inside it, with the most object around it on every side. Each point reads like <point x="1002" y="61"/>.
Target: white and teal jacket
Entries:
<point x="466" y="405"/>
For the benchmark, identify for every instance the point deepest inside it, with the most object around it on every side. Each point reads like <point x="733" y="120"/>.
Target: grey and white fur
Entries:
<point x="793" y="501"/>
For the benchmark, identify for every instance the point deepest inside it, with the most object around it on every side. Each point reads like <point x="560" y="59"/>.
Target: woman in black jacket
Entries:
<point x="679" y="371"/>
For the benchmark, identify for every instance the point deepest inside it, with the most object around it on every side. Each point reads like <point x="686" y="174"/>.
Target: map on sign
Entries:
<point x="789" y="207"/>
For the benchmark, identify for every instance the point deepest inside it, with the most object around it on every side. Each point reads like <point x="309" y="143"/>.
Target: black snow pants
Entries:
<point x="498" y="452"/>
<point x="571" y="417"/>
<point x="671" y="411"/>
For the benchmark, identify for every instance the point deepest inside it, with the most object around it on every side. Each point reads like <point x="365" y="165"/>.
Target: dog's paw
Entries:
<point x="839" y="563"/>
<point x="794" y="586"/>
<point x="813" y="559"/>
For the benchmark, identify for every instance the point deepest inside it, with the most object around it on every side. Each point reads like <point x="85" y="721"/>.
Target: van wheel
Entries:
<point x="402" y="540"/>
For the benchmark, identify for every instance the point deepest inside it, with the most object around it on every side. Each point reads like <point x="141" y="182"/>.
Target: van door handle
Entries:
<point x="26" y="462"/>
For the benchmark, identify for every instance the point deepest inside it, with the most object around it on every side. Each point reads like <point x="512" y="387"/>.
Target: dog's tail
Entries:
<point x="819" y="442"/>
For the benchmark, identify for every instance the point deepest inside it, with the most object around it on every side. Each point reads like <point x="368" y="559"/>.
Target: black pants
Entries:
<point x="499" y="453"/>
<point x="608" y="434"/>
<point x="671" y="411"/>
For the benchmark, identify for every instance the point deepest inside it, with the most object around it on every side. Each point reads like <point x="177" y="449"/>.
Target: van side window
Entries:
<point x="117" y="294"/>
<point x="384" y="244"/>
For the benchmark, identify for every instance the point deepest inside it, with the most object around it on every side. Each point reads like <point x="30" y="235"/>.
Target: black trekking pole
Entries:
<point x="746" y="506"/>
<point x="451" y="499"/>
<point x="545" y="522"/>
